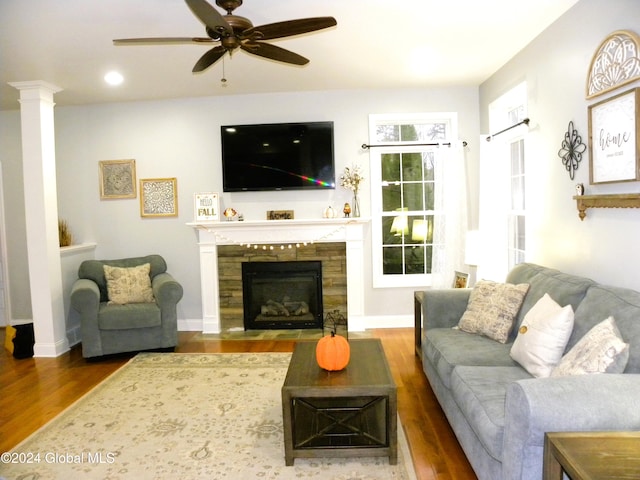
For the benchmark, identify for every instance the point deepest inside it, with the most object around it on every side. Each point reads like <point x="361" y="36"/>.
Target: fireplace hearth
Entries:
<point x="282" y="295"/>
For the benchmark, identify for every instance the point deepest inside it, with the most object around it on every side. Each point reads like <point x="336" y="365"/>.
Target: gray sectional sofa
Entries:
<point x="498" y="411"/>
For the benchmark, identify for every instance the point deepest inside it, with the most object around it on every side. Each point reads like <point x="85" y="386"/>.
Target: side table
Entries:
<point x="591" y="455"/>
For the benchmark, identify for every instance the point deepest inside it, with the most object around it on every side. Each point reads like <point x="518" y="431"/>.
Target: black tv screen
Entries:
<point x="277" y="156"/>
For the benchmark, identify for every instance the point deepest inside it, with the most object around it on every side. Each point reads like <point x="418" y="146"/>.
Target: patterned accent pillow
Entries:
<point x="492" y="309"/>
<point x="129" y="285"/>
<point x="601" y="350"/>
<point x="543" y="336"/>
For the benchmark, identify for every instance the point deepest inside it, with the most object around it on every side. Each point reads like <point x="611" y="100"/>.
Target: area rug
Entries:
<point x="184" y="416"/>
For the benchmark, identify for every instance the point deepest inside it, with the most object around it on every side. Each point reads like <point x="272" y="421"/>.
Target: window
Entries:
<point x="405" y="177"/>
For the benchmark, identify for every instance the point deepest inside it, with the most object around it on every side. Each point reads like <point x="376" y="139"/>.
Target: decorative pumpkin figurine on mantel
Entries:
<point x="347" y="210"/>
<point x="333" y="352"/>
<point x="329" y="212"/>
<point x="230" y="213"/>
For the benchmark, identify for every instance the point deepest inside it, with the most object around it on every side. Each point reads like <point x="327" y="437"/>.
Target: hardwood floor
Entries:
<point x="35" y="390"/>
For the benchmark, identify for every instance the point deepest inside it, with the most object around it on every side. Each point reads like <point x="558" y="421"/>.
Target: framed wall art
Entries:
<point x="117" y="179"/>
<point x="206" y="207"/>
<point x="613" y="139"/>
<point x="615" y="63"/>
<point x="460" y="280"/>
<point x="159" y="197"/>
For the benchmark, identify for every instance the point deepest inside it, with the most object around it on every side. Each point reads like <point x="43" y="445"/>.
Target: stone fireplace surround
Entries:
<point x="279" y="234"/>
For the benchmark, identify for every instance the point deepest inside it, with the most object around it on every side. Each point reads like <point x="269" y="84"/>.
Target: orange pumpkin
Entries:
<point x="332" y="352"/>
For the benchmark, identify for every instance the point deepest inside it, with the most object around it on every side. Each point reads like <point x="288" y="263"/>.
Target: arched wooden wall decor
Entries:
<point x="616" y="63"/>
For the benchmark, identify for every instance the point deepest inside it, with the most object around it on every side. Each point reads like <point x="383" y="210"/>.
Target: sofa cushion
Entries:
<point x="125" y="317"/>
<point x="601" y="302"/>
<point x="566" y="289"/>
<point x="492" y="309"/>
<point x="543" y="336"/>
<point x="480" y="394"/>
<point x="448" y="347"/>
<point x="601" y="350"/>
<point x="128" y="285"/>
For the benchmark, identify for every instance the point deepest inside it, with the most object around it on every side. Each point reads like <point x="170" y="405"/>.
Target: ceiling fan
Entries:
<point x="233" y="31"/>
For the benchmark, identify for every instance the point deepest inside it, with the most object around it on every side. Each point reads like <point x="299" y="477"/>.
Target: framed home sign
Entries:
<point x="159" y="197"/>
<point x="117" y="179"/>
<point x="206" y="207"/>
<point x="613" y="139"/>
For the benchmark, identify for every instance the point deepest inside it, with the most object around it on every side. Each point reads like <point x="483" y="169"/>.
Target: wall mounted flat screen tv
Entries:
<point x="278" y="156"/>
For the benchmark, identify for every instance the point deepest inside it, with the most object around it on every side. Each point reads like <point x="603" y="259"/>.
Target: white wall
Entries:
<point x="16" y="229"/>
<point x="555" y="66"/>
<point x="180" y="138"/>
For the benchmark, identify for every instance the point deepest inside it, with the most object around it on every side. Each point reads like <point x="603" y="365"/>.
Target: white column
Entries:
<point x="41" y="206"/>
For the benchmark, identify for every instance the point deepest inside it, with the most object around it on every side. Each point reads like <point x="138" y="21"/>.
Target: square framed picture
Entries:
<point x="614" y="128"/>
<point x="460" y="280"/>
<point x="117" y="179"/>
<point x="206" y="207"/>
<point x="159" y="197"/>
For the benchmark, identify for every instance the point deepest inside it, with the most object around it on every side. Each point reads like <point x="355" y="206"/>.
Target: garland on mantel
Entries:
<point x="230" y="241"/>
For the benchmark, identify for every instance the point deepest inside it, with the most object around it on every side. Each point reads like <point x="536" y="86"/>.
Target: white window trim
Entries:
<point x="380" y="280"/>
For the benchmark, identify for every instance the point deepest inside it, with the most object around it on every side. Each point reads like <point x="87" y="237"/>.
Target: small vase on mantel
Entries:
<point x="355" y="206"/>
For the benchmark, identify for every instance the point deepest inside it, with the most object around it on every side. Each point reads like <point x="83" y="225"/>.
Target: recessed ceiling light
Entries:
<point x="113" y="78"/>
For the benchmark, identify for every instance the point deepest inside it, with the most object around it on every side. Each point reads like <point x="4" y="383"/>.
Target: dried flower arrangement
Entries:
<point x="351" y="178"/>
<point x="64" y="234"/>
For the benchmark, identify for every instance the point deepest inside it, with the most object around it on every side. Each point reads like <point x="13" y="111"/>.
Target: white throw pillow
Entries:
<point x="543" y="336"/>
<point x="601" y="350"/>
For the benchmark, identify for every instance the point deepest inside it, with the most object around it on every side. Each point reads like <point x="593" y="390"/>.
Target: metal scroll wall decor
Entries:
<point x="615" y="63"/>
<point x="571" y="150"/>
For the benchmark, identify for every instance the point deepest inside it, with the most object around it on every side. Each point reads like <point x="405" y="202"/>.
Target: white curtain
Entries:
<point x="450" y="226"/>
<point x="494" y="204"/>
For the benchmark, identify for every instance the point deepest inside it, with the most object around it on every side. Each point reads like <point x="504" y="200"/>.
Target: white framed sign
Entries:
<point x="613" y="139"/>
<point x="206" y="207"/>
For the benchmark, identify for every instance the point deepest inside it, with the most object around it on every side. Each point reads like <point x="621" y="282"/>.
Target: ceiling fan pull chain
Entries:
<point x="223" y="80"/>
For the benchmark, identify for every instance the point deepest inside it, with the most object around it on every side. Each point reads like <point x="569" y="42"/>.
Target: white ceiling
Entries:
<point x="376" y="44"/>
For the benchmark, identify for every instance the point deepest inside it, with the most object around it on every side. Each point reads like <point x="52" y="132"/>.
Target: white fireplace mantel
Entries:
<point x="279" y="234"/>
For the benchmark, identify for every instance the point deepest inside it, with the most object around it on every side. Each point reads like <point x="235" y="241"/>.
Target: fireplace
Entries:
<point x="281" y="295"/>
<point x="314" y="233"/>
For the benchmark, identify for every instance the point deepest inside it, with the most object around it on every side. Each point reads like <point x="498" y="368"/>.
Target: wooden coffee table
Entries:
<point x="591" y="455"/>
<point x="350" y="413"/>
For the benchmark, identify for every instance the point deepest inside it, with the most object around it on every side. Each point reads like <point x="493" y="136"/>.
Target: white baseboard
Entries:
<point x="389" y="321"/>
<point x="74" y="336"/>
<point x="13" y="322"/>
<point x="190" y="324"/>
<point x="41" y="349"/>
<point x="364" y="323"/>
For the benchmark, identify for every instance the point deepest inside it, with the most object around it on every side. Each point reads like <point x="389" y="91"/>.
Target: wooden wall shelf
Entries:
<point x="623" y="200"/>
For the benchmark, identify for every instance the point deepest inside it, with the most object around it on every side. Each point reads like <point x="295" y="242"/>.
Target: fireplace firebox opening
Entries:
<point x="282" y="295"/>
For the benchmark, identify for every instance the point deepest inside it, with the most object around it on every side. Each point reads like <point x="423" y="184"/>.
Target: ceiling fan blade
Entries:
<point x="161" y="40"/>
<point x="290" y="27"/>
<point x="208" y="15"/>
<point x="267" y="50"/>
<point x="209" y="58"/>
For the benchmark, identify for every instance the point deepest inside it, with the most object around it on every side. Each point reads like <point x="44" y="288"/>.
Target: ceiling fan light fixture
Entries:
<point x="235" y="32"/>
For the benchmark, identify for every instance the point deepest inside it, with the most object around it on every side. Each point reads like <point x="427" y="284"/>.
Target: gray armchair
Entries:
<point x="109" y="328"/>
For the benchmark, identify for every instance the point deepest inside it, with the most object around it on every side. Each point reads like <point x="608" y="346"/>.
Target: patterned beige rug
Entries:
<point x="184" y="416"/>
